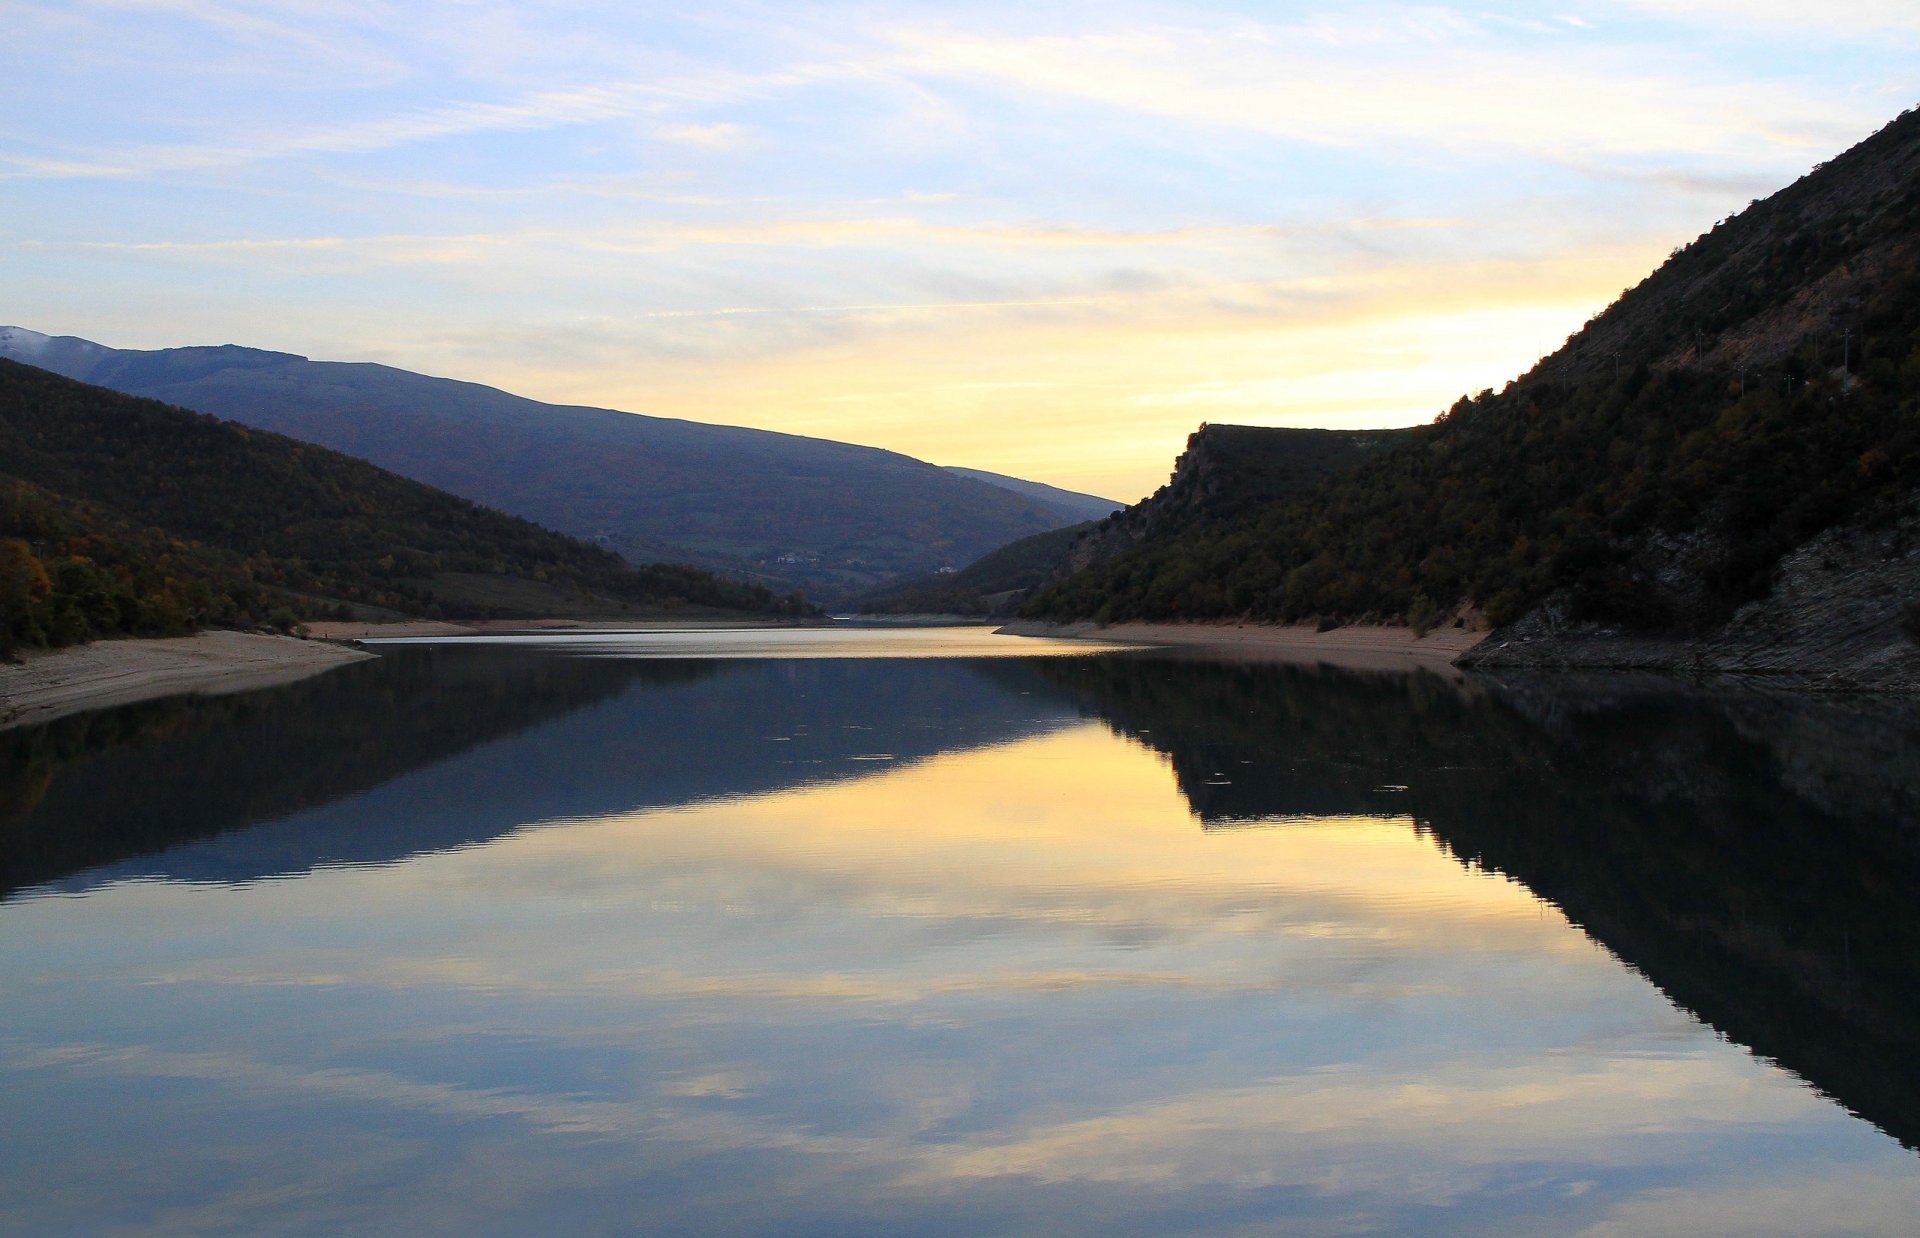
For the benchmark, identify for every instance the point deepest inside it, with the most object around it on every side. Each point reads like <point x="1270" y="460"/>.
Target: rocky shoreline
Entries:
<point x="1843" y="616"/>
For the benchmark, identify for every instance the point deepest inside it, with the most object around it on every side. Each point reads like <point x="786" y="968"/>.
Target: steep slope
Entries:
<point x="123" y="515"/>
<point x="831" y="517"/>
<point x="1722" y="466"/>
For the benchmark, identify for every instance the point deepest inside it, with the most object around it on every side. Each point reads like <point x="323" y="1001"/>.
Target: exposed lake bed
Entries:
<point x="731" y="933"/>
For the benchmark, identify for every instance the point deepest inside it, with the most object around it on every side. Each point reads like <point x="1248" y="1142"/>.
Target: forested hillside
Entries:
<point x="127" y="516"/>
<point x="1225" y="471"/>
<point x="1759" y="391"/>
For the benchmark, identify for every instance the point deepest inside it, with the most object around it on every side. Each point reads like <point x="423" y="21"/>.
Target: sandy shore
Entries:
<point x="66" y="681"/>
<point x="352" y="630"/>
<point x="345" y="630"/>
<point x="1362" y="647"/>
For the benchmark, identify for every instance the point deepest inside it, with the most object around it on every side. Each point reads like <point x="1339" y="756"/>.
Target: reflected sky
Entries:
<point x="1008" y="987"/>
<point x="759" y="643"/>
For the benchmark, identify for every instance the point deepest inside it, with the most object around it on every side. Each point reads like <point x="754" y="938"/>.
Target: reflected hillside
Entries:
<point x="1757" y="856"/>
<point x="96" y="788"/>
<point x="432" y="748"/>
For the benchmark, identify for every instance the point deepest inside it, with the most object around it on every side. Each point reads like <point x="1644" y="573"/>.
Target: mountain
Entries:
<point x="1225" y="470"/>
<point x="122" y="515"/>
<point x="1719" y="471"/>
<point x="831" y="517"/>
<point x="1071" y="505"/>
<point x="993" y="584"/>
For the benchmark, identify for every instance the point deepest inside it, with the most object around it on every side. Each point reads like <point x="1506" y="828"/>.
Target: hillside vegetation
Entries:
<point x="1758" y="391"/>
<point x="127" y="516"/>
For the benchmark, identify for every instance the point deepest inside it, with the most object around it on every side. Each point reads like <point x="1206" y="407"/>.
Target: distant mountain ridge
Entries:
<point x="126" y="516"/>
<point x="1720" y="471"/>
<point x="784" y="509"/>
<point x="1069" y="503"/>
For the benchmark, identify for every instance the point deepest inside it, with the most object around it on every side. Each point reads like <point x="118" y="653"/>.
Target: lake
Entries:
<point x="946" y="933"/>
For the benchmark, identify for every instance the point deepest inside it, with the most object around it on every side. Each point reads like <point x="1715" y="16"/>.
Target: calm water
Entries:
<point x="759" y="934"/>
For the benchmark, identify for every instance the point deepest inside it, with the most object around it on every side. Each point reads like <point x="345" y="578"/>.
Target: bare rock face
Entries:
<point x="1843" y="615"/>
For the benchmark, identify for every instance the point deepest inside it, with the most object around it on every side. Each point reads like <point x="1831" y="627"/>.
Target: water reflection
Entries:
<point x="445" y="746"/>
<point x="1755" y="854"/>
<point x="1106" y="945"/>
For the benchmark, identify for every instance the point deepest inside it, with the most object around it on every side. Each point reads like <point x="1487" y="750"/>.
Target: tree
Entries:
<point x="23" y="587"/>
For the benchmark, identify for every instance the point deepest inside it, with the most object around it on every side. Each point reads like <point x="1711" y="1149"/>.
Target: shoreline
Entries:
<point x="347" y="631"/>
<point x="1354" y="646"/>
<point x="54" y="683"/>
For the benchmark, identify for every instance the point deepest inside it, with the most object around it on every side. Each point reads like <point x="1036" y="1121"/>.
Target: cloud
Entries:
<point x="543" y="110"/>
<point x="722" y="136"/>
<point x="1430" y="78"/>
<point x="1835" y="19"/>
<point x="1439" y="86"/>
<point x="533" y="111"/>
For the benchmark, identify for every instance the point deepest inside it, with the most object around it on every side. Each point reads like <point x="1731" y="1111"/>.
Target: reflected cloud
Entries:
<point x="1296" y="1131"/>
<point x="548" y="1114"/>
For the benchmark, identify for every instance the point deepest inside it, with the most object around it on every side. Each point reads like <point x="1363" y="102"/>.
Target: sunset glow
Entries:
<point x="1045" y="241"/>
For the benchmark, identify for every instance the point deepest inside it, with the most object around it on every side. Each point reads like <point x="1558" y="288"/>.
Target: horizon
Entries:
<point x="1047" y="245"/>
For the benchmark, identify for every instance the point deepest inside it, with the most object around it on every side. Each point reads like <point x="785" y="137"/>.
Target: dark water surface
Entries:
<point x="753" y="934"/>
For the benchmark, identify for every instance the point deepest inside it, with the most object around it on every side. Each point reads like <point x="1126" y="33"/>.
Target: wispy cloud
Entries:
<point x="1443" y="87"/>
<point x="549" y="109"/>
<point x="720" y="136"/>
<point x="541" y="110"/>
<point x="1834" y="20"/>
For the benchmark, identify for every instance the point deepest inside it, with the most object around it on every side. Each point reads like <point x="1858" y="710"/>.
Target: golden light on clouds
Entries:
<point x="1042" y="240"/>
<point x="1099" y="395"/>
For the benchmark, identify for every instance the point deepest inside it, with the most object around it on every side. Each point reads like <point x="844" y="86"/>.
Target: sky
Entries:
<point x="1043" y="239"/>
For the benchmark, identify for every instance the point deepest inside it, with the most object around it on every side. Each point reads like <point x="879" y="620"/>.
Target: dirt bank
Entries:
<point x="352" y="630"/>
<point x="65" y="681"/>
